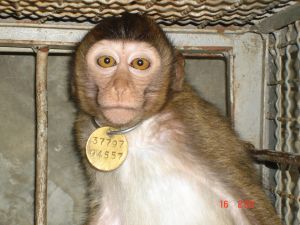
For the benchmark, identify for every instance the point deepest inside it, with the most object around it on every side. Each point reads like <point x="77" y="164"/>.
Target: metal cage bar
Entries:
<point x="41" y="137"/>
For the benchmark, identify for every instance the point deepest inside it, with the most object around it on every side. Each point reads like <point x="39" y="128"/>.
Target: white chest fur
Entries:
<point x="152" y="187"/>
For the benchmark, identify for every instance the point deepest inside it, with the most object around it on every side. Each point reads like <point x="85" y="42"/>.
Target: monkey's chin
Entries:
<point x="120" y="116"/>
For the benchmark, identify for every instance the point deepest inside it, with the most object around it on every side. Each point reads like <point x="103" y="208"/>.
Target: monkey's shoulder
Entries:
<point x="204" y="126"/>
<point x="197" y="113"/>
<point x="191" y="102"/>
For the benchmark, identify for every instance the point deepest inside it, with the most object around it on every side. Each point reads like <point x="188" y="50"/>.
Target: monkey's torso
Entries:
<point x="152" y="187"/>
<point x="155" y="185"/>
<point x="168" y="177"/>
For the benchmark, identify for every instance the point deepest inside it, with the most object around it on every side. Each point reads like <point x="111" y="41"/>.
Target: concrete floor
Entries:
<point x="66" y="184"/>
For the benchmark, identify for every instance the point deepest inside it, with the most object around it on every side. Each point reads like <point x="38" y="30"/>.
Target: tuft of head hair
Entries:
<point x="130" y="27"/>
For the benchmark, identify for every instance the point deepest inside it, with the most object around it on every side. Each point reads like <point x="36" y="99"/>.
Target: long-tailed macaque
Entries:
<point x="184" y="164"/>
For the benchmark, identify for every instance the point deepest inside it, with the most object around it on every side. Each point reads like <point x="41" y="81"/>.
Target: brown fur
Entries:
<point x="214" y="144"/>
<point x="210" y="139"/>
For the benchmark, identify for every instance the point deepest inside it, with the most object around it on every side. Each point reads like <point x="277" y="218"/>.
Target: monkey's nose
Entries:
<point x="120" y="86"/>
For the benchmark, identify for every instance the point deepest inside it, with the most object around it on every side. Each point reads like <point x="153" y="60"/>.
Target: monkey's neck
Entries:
<point x="121" y="130"/>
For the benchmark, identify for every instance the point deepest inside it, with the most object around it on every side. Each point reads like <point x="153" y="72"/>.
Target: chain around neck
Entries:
<point x="97" y="124"/>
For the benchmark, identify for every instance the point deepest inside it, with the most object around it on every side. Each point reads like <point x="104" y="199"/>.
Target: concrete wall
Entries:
<point x="66" y="185"/>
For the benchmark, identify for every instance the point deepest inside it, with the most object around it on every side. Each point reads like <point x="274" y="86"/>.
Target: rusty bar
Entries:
<point x="282" y="82"/>
<point x="284" y="194"/>
<point x="217" y="49"/>
<point x="279" y="19"/>
<point x="30" y="50"/>
<point x="30" y="43"/>
<point x="275" y="156"/>
<point x="41" y="137"/>
<point x="203" y="55"/>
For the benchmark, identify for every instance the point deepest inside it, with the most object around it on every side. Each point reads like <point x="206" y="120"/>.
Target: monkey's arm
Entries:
<point x="214" y="143"/>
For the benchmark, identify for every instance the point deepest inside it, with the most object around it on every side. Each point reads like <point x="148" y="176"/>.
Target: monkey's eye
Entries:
<point x="140" y="63"/>
<point x="106" y="61"/>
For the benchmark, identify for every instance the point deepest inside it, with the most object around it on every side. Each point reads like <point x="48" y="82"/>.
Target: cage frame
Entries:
<point x="234" y="46"/>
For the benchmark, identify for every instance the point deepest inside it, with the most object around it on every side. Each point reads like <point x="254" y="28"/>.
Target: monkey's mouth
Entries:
<point x="120" y="114"/>
<point x="119" y="107"/>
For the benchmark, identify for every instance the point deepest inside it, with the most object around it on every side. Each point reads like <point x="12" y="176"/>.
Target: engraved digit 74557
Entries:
<point x="92" y="152"/>
<point x="113" y="155"/>
<point x="120" y="155"/>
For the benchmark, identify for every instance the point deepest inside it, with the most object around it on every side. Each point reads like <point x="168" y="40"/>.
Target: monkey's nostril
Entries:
<point x="119" y="92"/>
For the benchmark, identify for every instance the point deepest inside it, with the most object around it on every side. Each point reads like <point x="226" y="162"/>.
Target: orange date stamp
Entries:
<point x="241" y="204"/>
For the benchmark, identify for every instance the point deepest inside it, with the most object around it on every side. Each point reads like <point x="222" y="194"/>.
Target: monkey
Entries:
<point x="183" y="158"/>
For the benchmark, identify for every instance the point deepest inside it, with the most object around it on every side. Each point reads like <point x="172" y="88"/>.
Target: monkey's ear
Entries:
<point x="179" y="73"/>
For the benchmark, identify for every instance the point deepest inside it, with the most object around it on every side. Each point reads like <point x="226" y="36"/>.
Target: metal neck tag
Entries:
<point x="106" y="152"/>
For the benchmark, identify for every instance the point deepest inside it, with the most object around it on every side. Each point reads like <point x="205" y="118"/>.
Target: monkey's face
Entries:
<point x="123" y="72"/>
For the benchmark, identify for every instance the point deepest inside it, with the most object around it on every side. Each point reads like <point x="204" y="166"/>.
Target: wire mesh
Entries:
<point x="285" y="69"/>
<point x="197" y="12"/>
